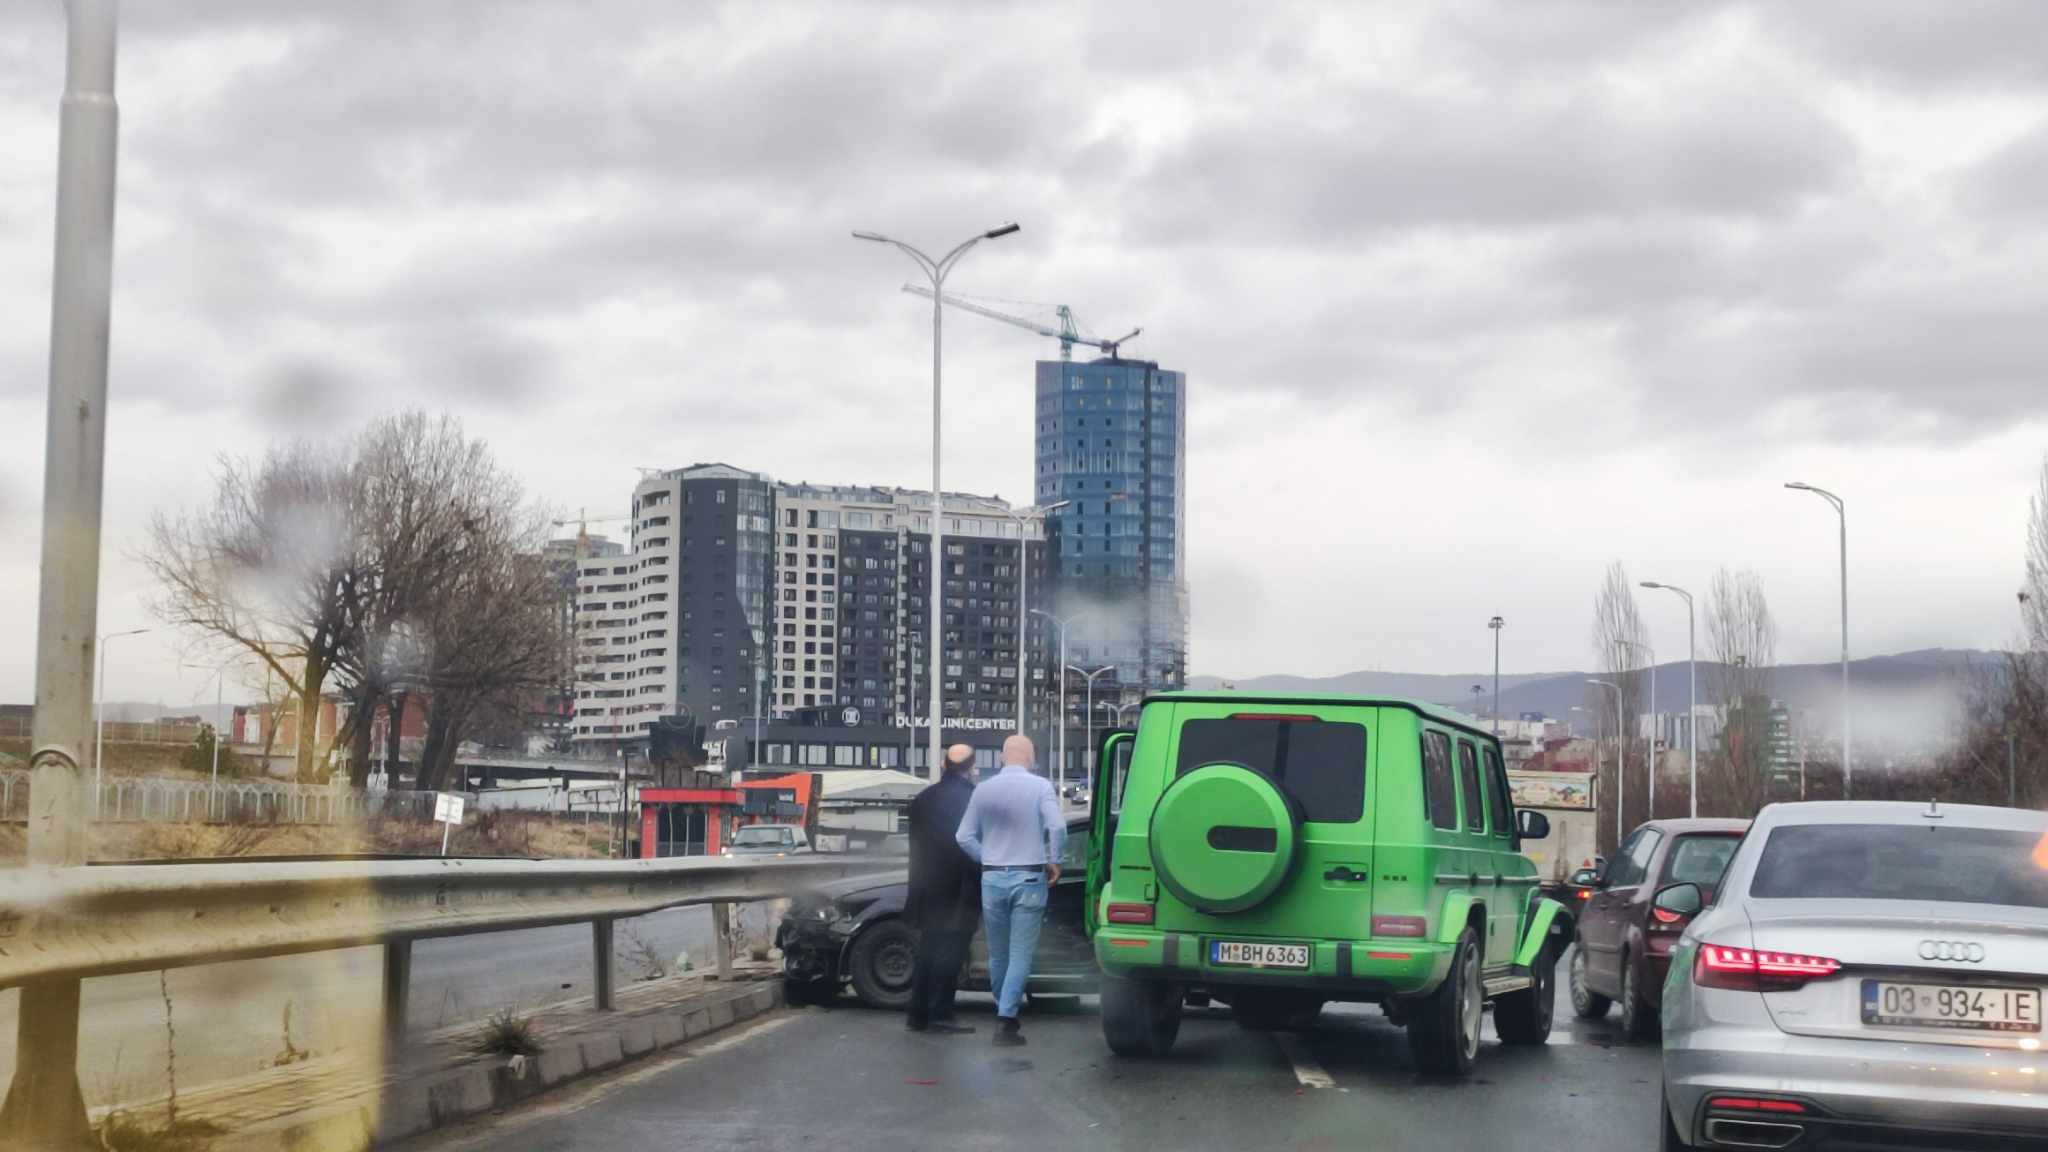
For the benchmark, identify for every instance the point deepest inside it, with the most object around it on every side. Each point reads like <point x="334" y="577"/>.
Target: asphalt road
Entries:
<point x="854" y="1079"/>
<point x="230" y="1019"/>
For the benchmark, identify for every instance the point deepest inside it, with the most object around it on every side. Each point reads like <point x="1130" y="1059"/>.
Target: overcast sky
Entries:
<point x="1472" y="298"/>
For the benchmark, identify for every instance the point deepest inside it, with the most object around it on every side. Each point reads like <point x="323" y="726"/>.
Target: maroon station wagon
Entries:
<point x="1623" y="945"/>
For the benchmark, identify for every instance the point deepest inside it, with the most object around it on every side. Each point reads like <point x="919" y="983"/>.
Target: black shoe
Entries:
<point x="1008" y="1035"/>
<point x="948" y="1028"/>
<point x="916" y="1026"/>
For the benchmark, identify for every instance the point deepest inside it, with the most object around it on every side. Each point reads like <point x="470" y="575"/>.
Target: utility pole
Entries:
<point x="44" y="1107"/>
<point x="1842" y="520"/>
<point x="1496" y="624"/>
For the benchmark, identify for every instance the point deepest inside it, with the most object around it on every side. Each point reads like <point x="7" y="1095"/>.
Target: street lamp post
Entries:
<point x="1842" y="519"/>
<point x="1496" y="624"/>
<point x="936" y="270"/>
<point x="1060" y="685"/>
<point x="1650" y="758"/>
<point x="1692" y="704"/>
<point x="99" y="716"/>
<point x="1620" y="760"/>
<point x="1089" y="718"/>
<point x="1039" y="514"/>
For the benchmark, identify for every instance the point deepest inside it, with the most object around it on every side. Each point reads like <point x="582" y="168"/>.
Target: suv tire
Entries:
<point x="1139" y="1017"/>
<point x="1638" y="1019"/>
<point x="1443" y="1027"/>
<point x="1586" y="1003"/>
<point x="881" y="963"/>
<point x="1524" y="1017"/>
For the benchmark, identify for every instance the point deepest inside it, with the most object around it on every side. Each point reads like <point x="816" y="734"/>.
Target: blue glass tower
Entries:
<point x="1112" y="438"/>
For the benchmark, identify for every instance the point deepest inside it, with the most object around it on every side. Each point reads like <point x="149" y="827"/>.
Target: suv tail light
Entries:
<point x="1409" y="926"/>
<point x="1753" y="970"/>
<point x="1130" y="914"/>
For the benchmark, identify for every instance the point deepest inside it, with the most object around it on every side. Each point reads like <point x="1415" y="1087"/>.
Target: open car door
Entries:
<point x="1106" y="795"/>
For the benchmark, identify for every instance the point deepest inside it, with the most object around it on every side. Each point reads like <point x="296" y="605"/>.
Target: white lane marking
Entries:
<point x="1306" y="1069"/>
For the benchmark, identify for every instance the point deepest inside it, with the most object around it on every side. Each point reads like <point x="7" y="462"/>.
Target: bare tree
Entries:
<point x="1742" y="641"/>
<point x="265" y="570"/>
<point x="1618" y="644"/>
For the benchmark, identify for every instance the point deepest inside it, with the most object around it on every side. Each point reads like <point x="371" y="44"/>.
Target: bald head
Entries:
<point x="959" y="758"/>
<point x="1017" y="749"/>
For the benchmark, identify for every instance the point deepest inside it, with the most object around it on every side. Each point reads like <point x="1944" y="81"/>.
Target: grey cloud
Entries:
<point x="1983" y="45"/>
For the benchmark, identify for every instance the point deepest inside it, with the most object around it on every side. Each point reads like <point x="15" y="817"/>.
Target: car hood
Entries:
<point x="840" y="889"/>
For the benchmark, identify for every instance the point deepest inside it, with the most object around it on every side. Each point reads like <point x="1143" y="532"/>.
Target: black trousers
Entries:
<point x="935" y="978"/>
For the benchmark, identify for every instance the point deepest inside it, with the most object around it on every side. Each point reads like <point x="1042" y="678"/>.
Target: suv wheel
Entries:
<point x="1638" y="1019"/>
<point x="1524" y="1017"/>
<point x="1586" y="1003"/>
<point x="881" y="964"/>
<point x="1443" y="1028"/>
<point x="1139" y="1017"/>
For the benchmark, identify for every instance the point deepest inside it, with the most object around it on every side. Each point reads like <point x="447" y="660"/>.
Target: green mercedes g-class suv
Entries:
<point x="1278" y="853"/>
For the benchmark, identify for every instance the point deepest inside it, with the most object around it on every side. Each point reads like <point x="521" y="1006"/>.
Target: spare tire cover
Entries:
<point x="1224" y="838"/>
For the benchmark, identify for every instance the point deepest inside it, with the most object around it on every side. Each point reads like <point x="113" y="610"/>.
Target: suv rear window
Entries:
<point x="1321" y="764"/>
<point x="1700" y="859"/>
<point x="1895" y="862"/>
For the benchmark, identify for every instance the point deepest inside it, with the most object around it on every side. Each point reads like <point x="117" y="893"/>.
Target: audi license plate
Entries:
<point x="1247" y="954"/>
<point x="1952" y="1006"/>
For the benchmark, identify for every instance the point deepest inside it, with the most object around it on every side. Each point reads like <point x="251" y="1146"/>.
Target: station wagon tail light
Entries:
<point x="1130" y="914"/>
<point x="1746" y="969"/>
<point x="1283" y="716"/>
<point x="1410" y="926"/>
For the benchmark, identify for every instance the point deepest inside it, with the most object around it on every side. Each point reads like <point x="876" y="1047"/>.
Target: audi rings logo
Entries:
<point x="1952" y="950"/>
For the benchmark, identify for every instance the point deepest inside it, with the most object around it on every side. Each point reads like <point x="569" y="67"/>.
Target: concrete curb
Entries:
<point x="421" y="1104"/>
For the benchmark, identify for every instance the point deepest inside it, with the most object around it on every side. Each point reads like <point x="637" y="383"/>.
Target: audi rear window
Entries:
<point x="1928" y="863"/>
<point x="1321" y="764"/>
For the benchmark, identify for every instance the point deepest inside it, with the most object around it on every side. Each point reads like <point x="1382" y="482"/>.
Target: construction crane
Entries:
<point x="582" y="523"/>
<point x="1068" y="333"/>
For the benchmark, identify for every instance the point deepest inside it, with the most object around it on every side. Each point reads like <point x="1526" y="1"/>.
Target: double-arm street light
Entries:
<point x="1692" y="704"/>
<point x="1023" y="517"/>
<point x="1060" y="682"/>
<point x="1620" y="760"/>
<point x="936" y="270"/>
<point x="1088" y="714"/>
<point x="1842" y="518"/>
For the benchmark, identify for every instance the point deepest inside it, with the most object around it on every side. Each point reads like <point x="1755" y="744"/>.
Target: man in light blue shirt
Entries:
<point x="1014" y="828"/>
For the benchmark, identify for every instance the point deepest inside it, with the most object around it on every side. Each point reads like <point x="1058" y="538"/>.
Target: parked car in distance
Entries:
<point x="1870" y="975"/>
<point x="1242" y="851"/>
<point x="1624" y="944"/>
<point x="766" y="840"/>
<point x="851" y="934"/>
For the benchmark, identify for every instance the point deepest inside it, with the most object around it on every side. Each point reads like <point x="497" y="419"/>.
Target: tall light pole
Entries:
<point x="1842" y="519"/>
<point x="1692" y="704"/>
<point x="1023" y="517"/>
<point x="99" y="716"/>
<point x="1089" y="720"/>
<point x="937" y="271"/>
<point x="1060" y="684"/>
<point x="1650" y="758"/>
<point x="1496" y="624"/>
<point x="1620" y="761"/>
<point x="220" y="674"/>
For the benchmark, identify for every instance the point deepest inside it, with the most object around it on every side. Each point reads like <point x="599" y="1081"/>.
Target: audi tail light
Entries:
<point x="1758" y="1104"/>
<point x="1758" y="970"/>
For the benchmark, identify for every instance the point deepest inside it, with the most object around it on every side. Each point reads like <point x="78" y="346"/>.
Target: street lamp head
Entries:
<point x="1055" y="506"/>
<point x="1651" y="584"/>
<point x="875" y="236"/>
<point x="1496" y="622"/>
<point x="1798" y="486"/>
<point x="1000" y="230"/>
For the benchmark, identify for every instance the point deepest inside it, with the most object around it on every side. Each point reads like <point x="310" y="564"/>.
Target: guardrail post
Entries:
<point x="397" y="988"/>
<point x="44" y="1108"/>
<point x="603" y="968"/>
<point x="721" y="929"/>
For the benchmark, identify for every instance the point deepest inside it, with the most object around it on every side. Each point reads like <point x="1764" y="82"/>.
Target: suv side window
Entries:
<point x="1497" y="792"/>
<point x="1634" y="864"/>
<point x="1468" y="784"/>
<point x="1439" y="791"/>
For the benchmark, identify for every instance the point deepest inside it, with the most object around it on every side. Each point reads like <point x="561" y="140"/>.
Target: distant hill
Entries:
<point x="1899" y="696"/>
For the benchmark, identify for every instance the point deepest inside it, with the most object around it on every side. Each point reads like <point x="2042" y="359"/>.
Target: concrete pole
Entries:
<point x="44" y="1107"/>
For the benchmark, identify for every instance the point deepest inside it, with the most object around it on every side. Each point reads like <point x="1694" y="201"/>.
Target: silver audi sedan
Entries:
<point x="1870" y="975"/>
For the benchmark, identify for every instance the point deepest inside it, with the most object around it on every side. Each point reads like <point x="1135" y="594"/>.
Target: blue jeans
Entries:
<point x="1012" y="910"/>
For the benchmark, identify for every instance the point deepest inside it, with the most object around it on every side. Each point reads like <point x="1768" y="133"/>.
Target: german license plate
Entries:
<point x="1251" y="954"/>
<point x="1952" y="1006"/>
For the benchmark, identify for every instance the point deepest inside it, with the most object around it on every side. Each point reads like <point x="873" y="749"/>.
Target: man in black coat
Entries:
<point x="944" y="901"/>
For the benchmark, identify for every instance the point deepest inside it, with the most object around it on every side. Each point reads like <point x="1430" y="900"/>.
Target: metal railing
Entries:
<point x="116" y="731"/>
<point x="58" y="925"/>
<point x="168" y="799"/>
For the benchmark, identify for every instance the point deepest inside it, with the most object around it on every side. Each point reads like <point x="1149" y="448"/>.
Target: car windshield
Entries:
<point x="1700" y="859"/>
<point x="1929" y="863"/>
<point x="758" y="837"/>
